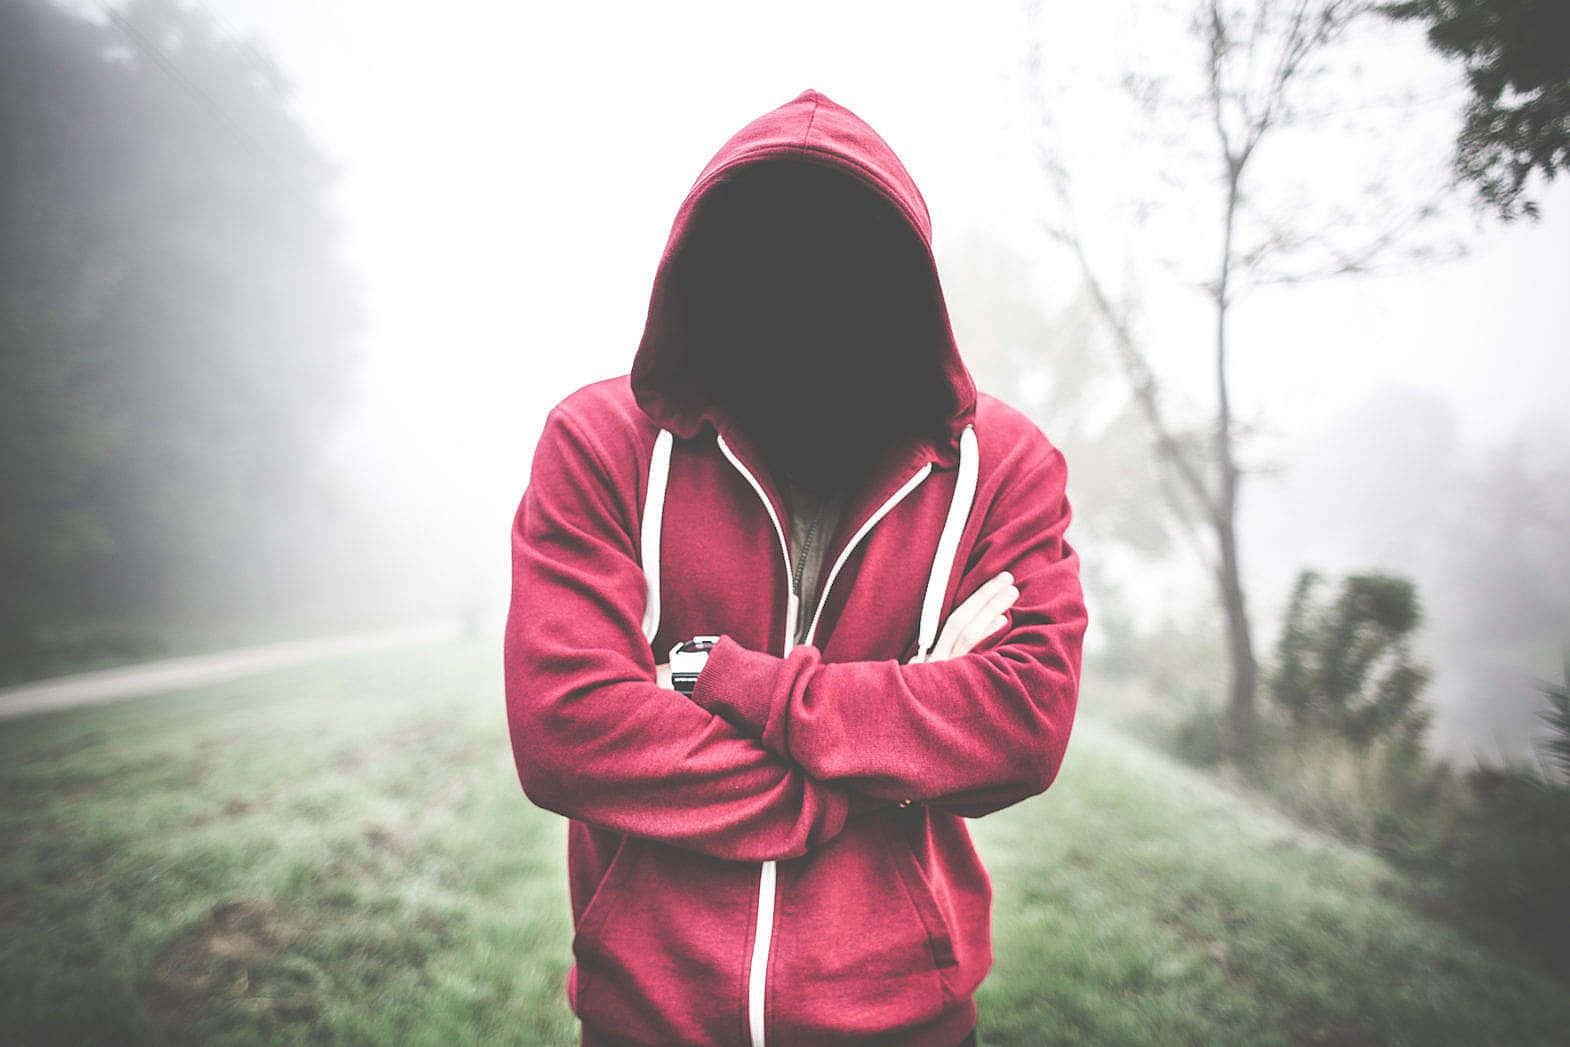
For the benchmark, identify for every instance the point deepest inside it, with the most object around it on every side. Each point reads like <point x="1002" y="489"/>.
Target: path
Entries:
<point x="135" y="681"/>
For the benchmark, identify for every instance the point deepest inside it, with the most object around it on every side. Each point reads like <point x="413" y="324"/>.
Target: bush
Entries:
<point x="1558" y="718"/>
<point x="1341" y="749"/>
<point x="1199" y="735"/>
<point x="1346" y="667"/>
<point x="1385" y="794"/>
<point x="1493" y="844"/>
<point x="1512" y="857"/>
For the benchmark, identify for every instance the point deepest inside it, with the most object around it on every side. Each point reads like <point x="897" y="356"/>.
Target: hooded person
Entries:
<point x="799" y="465"/>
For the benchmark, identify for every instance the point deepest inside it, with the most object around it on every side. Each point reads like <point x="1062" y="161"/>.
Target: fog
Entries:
<point x="289" y="287"/>
<point x="507" y="175"/>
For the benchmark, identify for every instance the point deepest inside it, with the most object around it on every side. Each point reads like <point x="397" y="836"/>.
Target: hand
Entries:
<point x="662" y="676"/>
<point x="973" y="621"/>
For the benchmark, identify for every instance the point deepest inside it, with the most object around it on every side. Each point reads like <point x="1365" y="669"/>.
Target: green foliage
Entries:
<point x="1558" y="719"/>
<point x="1199" y="736"/>
<point x="1511" y="855"/>
<point x="1489" y="849"/>
<point x="1517" y="59"/>
<point x="174" y="321"/>
<point x="1346" y="667"/>
<point x="1493" y="845"/>
<point x="1292" y="685"/>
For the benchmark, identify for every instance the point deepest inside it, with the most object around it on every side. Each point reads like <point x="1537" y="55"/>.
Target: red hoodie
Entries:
<point x="782" y="858"/>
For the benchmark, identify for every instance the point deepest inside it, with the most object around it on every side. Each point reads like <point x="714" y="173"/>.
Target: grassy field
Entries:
<point x="342" y="854"/>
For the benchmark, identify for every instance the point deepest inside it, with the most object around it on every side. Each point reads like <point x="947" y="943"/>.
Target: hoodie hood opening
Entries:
<point x="798" y="302"/>
<point x="808" y="313"/>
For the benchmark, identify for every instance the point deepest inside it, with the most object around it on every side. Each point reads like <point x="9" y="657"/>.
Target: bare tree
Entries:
<point x="1245" y="79"/>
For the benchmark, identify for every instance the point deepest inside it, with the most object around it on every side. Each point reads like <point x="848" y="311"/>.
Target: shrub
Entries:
<point x="1341" y="749"/>
<point x="1512" y="857"/>
<point x="1558" y="719"/>
<point x="1199" y="735"/>
<point x="1347" y="667"/>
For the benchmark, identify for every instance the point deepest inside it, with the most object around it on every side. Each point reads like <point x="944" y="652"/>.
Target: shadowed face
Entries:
<point x="812" y="315"/>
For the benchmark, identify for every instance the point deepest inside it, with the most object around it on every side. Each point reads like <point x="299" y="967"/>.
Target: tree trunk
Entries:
<point x="1244" y="676"/>
<point x="1240" y="647"/>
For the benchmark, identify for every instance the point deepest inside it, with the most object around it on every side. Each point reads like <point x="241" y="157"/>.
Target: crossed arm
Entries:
<point x="594" y="736"/>
<point x="973" y="732"/>
<point x="771" y="756"/>
<point x="980" y="617"/>
<point x="971" y="622"/>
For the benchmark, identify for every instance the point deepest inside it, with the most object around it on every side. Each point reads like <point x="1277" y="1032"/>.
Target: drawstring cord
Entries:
<point x="948" y="543"/>
<point x="943" y="562"/>
<point x="653" y="515"/>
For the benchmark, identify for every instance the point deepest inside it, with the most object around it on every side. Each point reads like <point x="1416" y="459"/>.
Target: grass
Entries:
<point x="341" y="853"/>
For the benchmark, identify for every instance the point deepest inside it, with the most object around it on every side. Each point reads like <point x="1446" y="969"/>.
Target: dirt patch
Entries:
<point x="229" y="958"/>
<point x="1192" y="920"/>
<point x="234" y="807"/>
<point x="400" y="840"/>
<point x="198" y="770"/>
<point x="391" y="841"/>
<point x="416" y="734"/>
<point x="346" y="761"/>
<point x="1339" y="1032"/>
<point x="435" y="923"/>
<point x="12" y="906"/>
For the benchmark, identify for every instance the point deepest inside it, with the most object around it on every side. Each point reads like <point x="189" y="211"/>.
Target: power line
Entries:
<point x="171" y="68"/>
<point x="235" y="37"/>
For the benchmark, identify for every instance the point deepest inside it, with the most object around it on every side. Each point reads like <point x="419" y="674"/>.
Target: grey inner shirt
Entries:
<point x="812" y="522"/>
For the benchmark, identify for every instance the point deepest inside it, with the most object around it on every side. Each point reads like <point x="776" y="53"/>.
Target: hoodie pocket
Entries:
<point x="924" y="899"/>
<point x="603" y="900"/>
<point x="858" y="942"/>
<point x="661" y="946"/>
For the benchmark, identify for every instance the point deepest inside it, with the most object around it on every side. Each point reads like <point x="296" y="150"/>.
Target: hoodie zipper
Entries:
<point x="806" y="547"/>
<point x="855" y="539"/>
<point x="804" y="555"/>
<point x="757" y="971"/>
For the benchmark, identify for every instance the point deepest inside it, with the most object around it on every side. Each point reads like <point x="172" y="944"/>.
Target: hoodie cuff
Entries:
<point x="737" y="683"/>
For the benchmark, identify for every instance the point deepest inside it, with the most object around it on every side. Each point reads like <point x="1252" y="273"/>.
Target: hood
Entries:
<point x="670" y="375"/>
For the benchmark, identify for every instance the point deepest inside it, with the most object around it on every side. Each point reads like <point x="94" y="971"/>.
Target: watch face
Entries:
<point x="687" y="661"/>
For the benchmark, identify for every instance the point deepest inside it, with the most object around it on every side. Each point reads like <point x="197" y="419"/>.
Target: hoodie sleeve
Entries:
<point x="594" y="736"/>
<point x="974" y="733"/>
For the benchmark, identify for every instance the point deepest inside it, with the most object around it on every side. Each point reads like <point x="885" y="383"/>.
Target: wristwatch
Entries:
<point x="687" y="661"/>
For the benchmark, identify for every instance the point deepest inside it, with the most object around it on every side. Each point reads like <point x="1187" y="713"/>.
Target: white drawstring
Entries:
<point x="653" y="514"/>
<point x="948" y="542"/>
<point x="943" y="561"/>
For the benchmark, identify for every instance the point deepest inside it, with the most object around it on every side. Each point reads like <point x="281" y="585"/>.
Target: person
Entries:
<point x="769" y="846"/>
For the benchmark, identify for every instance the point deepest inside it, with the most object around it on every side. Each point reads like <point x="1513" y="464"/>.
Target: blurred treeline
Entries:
<point x="176" y="335"/>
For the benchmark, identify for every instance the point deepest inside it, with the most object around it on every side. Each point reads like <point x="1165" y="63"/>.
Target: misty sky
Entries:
<point x="510" y="174"/>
